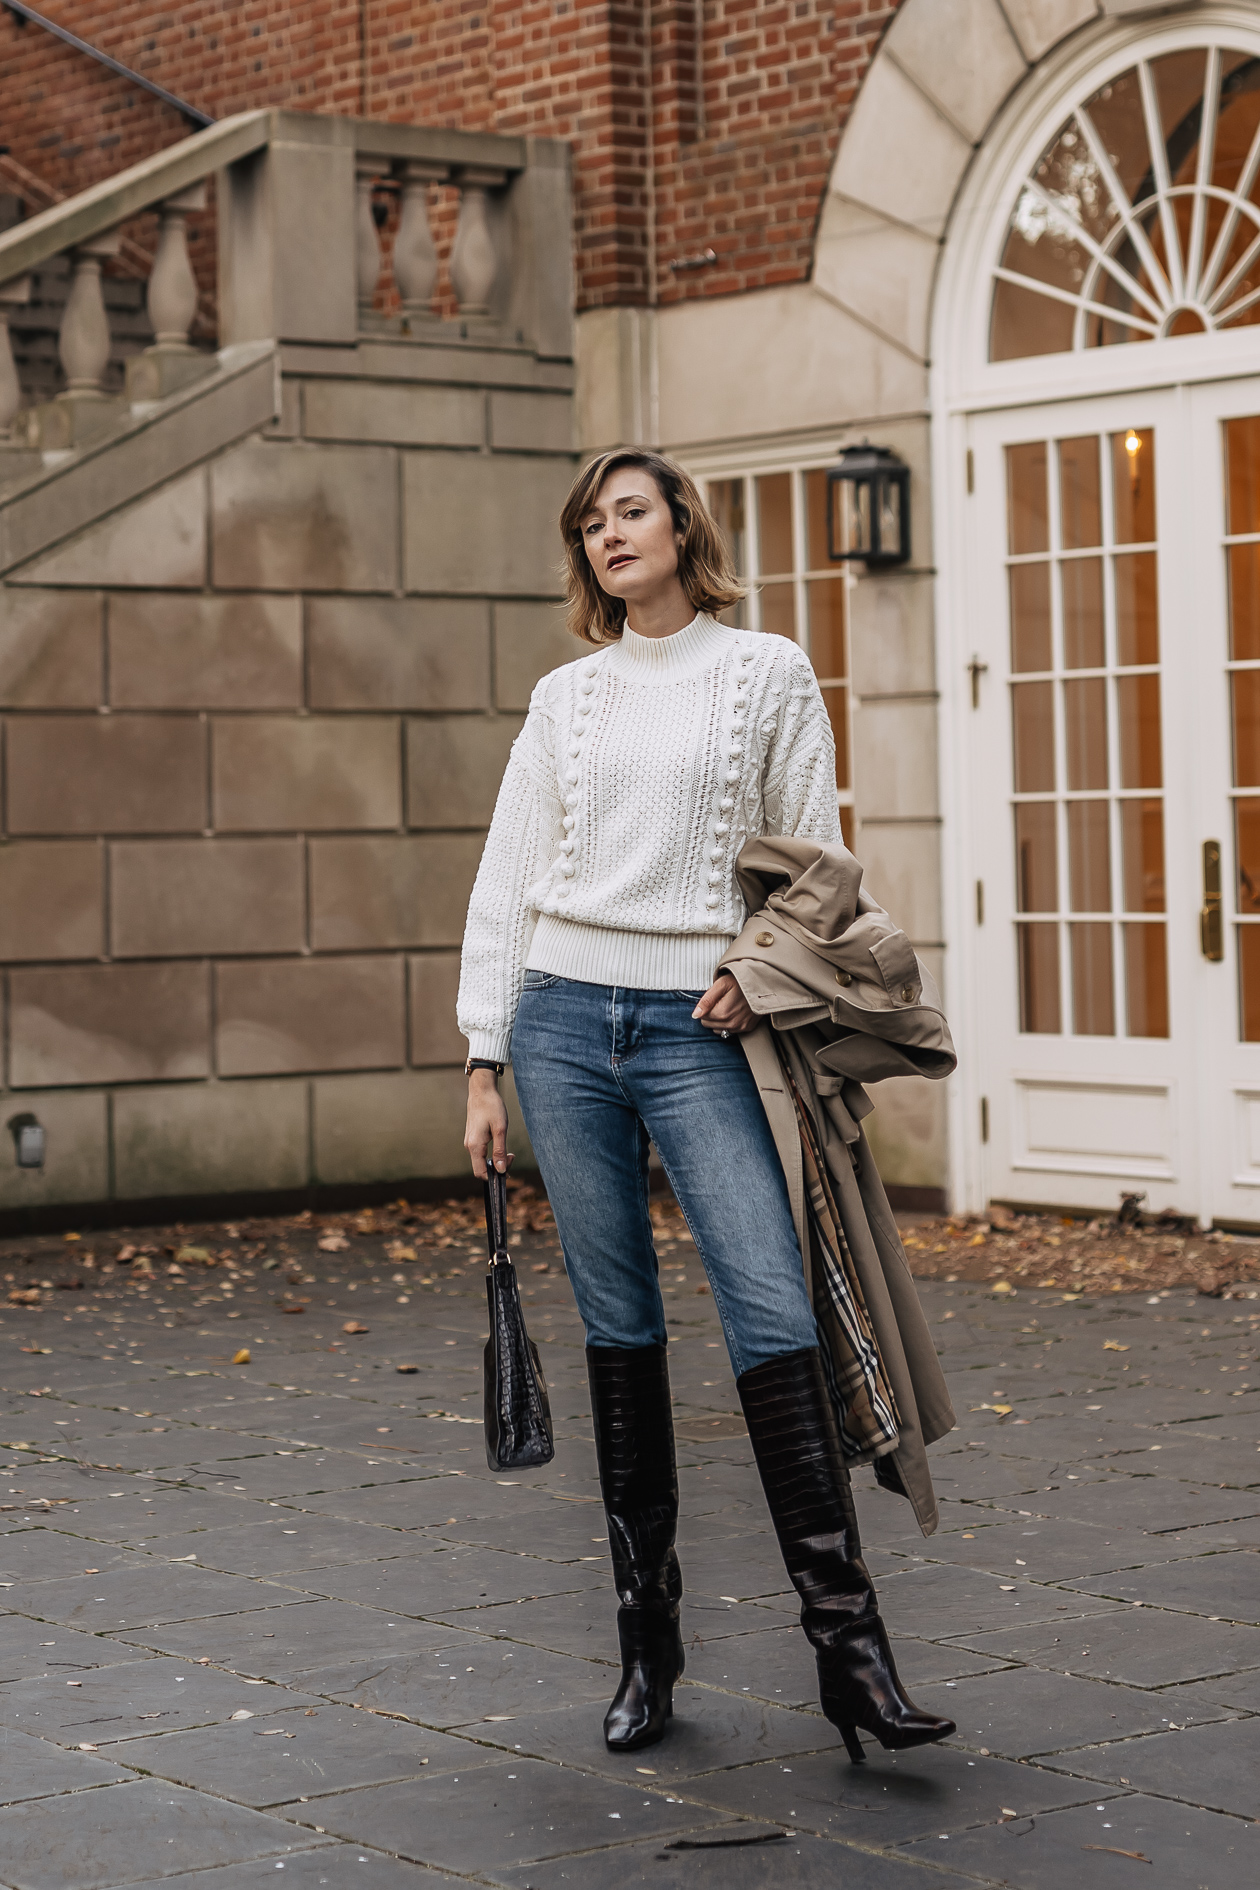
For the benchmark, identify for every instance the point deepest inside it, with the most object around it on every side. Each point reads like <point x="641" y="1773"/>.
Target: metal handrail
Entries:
<point x="190" y="112"/>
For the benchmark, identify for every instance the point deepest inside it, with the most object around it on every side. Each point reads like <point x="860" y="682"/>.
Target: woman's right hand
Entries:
<point x="487" y="1124"/>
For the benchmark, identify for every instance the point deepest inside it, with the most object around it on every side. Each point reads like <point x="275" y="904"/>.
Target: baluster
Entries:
<point x="473" y="260"/>
<point x="83" y="343"/>
<point x="367" y="242"/>
<point x="12" y="295"/>
<point x="415" y="253"/>
<point x="172" y="293"/>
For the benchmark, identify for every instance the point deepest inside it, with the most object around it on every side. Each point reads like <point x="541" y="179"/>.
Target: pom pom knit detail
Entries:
<point x="639" y="774"/>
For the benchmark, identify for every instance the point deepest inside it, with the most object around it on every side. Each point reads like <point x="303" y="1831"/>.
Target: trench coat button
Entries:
<point x="844" y="977"/>
<point x="907" y="994"/>
<point x="765" y="938"/>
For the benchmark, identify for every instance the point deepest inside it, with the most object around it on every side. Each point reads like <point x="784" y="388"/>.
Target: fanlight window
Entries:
<point x="1141" y="219"/>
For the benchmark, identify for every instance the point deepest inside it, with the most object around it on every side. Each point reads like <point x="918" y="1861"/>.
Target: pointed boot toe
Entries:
<point x="651" y="1661"/>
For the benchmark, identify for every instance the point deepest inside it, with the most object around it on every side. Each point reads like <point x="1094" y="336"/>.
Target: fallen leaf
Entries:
<point x="1008" y="1813"/>
<point x="43" y="1349"/>
<point x="333" y="1243"/>
<point x="406" y="1368"/>
<point x="1047" y="1282"/>
<point x="241" y="1357"/>
<point x="83" y="1744"/>
<point x="352" y="1325"/>
<point x="1007" y="1588"/>
<point x="1114" y="1850"/>
<point x="25" y="1296"/>
<point x="977" y="1240"/>
<point x="275" y="1732"/>
<point x="289" y="1305"/>
<point x="75" y="1237"/>
<point x="1110" y="1345"/>
<point x="242" y="1712"/>
<point x="1001" y="1286"/>
<point x="194" y="1256"/>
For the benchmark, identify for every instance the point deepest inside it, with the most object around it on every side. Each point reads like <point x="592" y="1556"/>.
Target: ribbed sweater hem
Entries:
<point x="638" y="961"/>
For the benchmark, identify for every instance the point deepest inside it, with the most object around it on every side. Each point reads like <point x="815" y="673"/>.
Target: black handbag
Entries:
<point x="518" y="1412"/>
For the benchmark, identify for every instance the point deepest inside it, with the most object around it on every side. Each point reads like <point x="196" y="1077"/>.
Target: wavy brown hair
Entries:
<point x="705" y="570"/>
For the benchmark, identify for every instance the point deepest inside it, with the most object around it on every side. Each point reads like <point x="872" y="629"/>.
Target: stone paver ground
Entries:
<point x="277" y="1615"/>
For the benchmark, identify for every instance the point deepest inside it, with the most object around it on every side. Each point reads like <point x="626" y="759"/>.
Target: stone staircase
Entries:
<point x="270" y="616"/>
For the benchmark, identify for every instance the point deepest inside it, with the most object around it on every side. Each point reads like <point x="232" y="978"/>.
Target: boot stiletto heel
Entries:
<point x="797" y="1446"/>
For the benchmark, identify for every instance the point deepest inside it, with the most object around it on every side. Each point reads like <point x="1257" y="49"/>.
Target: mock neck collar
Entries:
<point x="664" y="659"/>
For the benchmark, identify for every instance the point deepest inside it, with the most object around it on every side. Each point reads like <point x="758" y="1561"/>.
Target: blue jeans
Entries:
<point x="600" y="1071"/>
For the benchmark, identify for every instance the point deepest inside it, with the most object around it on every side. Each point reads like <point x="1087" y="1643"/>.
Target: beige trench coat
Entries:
<point x="845" y="1001"/>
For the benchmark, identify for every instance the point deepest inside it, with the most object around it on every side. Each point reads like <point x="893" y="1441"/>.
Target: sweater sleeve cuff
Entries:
<point x="495" y="1046"/>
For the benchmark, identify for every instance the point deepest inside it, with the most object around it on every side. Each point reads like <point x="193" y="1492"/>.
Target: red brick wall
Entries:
<point x="696" y="124"/>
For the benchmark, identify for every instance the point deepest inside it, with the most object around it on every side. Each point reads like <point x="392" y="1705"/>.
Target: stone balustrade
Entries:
<point x="300" y="255"/>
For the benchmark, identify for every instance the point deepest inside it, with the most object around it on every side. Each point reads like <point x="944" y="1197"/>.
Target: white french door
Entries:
<point x="1111" y="732"/>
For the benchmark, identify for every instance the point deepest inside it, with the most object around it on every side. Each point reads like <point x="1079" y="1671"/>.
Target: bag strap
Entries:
<point x="496" y="1216"/>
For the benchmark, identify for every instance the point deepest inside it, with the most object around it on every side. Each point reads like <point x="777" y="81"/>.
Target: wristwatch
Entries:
<point x="483" y="1063"/>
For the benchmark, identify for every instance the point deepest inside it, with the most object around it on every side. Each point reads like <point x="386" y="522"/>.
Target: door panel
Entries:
<point x="1085" y="980"/>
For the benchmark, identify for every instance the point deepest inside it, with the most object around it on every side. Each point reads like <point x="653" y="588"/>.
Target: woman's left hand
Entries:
<point x="723" y="1008"/>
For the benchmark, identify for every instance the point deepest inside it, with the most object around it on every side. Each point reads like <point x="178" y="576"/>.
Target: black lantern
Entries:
<point x="868" y="507"/>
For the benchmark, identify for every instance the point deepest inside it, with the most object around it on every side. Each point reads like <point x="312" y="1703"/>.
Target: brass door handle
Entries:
<point x="1211" y="918"/>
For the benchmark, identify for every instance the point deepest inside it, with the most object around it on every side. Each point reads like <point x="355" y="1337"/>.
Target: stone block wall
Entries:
<point x="252" y="727"/>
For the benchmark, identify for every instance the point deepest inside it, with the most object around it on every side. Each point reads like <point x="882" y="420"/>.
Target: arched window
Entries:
<point x="1141" y="218"/>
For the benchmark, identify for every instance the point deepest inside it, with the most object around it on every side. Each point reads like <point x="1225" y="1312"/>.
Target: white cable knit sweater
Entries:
<point x="639" y="774"/>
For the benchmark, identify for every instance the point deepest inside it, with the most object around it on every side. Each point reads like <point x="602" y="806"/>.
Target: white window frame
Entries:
<point x="796" y="462"/>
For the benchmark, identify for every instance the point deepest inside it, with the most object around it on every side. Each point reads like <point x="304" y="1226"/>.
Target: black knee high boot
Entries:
<point x="793" y="1430"/>
<point x="634" y="1441"/>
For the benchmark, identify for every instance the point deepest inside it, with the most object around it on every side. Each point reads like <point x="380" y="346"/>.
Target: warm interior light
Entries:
<point x="1132" y="444"/>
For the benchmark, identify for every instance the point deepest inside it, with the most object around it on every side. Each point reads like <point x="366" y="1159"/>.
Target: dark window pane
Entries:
<point x="1117" y="113"/>
<point x="1249" y="981"/>
<point x="1080" y="493"/>
<point x="825" y="602"/>
<point x="1145" y="980"/>
<point x="1137" y="609"/>
<point x="1242" y="481"/>
<point x="1032" y="728"/>
<point x="1085" y="727"/>
<point x="1142" y="851"/>
<point x="1036" y="872"/>
<point x="1093" y="994"/>
<point x="1137" y="712"/>
<point x="726" y="502"/>
<point x="1247" y="833"/>
<point x="1030" y="617"/>
<point x="1244" y="602"/>
<point x="1026" y="323"/>
<point x="1089" y="856"/>
<point x="1082" y="585"/>
<point x="1245" y="684"/>
<point x="848" y="827"/>
<point x="816" y="519"/>
<point x="1133" y="475"/>
<point x="1039" y="1008"/>
<point x="774" y="523"/>
<point x="1028" y="517"/>
<point x="836" y="702"/>
<point x="778" y="610"/>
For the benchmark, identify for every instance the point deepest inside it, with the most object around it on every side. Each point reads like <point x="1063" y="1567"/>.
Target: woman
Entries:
<point x="605" y="899"/>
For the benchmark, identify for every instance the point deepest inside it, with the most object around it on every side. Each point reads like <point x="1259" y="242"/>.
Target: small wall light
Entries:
<point x="868" y="507"/>
<point x="29" y="1140"/>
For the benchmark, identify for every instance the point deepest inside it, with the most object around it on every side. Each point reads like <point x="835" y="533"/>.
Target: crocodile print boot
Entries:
<point x="634" y="1441"/>
<point x="797" y="1446"/>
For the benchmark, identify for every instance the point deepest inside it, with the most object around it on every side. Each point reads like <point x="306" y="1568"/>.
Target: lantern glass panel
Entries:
<point x="889" y="490"/>
<point x="851" y="517"/>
